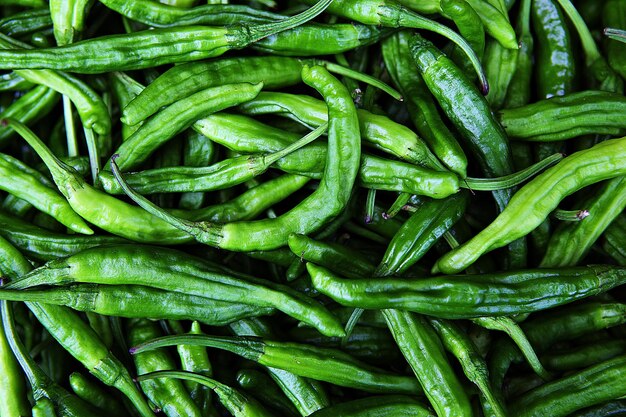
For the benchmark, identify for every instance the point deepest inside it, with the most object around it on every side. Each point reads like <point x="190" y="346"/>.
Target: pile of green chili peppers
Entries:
<point x="325" y="208"/>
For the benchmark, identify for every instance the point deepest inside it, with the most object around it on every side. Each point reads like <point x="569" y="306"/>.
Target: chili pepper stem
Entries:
<point x="401" y="17"/>
<point x="245" y="34"/>
<point x="614" y="33"/>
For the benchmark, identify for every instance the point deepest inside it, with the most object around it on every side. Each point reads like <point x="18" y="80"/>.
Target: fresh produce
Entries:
<point x="352" y="208"/>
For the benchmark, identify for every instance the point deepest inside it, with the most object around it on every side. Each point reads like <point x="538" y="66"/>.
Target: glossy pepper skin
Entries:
<point x="555" y="60"/>
<point x="571" y="241"/>
<point x="118" y="265"/>
<point x="591" y="386"/>
<point x="422" y="348"/>
<point x="566" y="117"/>
<point x="377" y="131"/>
<point x="28" y="184"/>
<point x="465" y="106"/>
<point x="420" y="232"/>
<point x="534" y="201"/>
<point x="28" y="109"/>
<point x="169" y="395"/>
<point x="468" y="296"/>
<point x="319" y="208"/>
<point x="307" y="395"/>
<point x="191" y="77"/>
<point x="320" y="39"/>
<point x="177" y="117"/>
<point x="545" y="329"/>
<point x="421" y="105"/>
<point x="470" y="113"/>
<point x="167" y="15"/>
<point x="123" y="301"/>
<point x="76" y="337"/>
<point x="246" y="135"/>
<point x="149" y="48"/>
<point x="387" y="405"/>
<point x="353" y="373"/>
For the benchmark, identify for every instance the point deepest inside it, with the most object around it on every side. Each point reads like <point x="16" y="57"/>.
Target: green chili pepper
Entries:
<point x="26" y="22"/>
<point x="164" y="15"/>
<point x="125" y="89"/>
<point x="307" y="395"/>
<point x="599" y="69"/>
<point x="312" y="212"/>
<point x="110" y="300"/>
<point x="422" y="348"/>
<point x="29" y="185"/>
<point x="95" y="395"/>
<point x="391" y="14"/>
<point x="560" y="325"/>
<point x="508" y="325"/>
<point x="535" y="200"/>
<point x="496" y="23"/>
<point x="334" y="256"/>
<point x="28" y="109"/>
<point x="519" y="91"/>
<point x="150" y="48"/>
<point x="249" y="204"/>
<point x="587" y="112"/>
<point x="169" y="395"/>
<point x="323" y="364"/>
<point x="420" y="232"/>
<point x="224" y="174"/>
<point x="243" y="134"/>
<point x="98" y="207"/>
<point x="471" y="28"/>
<point x="82" y="343"/>
<point x="420" y="103"/>
<point x="388" y="405"/>
<point x="369" y="344"/>
<point x="377" y="131"/>
<point x="426" y="7"/>
<point x="591" y="386"/>
<point x="42" y="244"/>
<point x="552" y="38"/>
<point x="89" y="104"/>
<point x="474" y="367"/>
<point x="570" y="242"/>
<point x="198" y="151"/>
<point x="178" y="117"/>
<point x="461" y="296"/>
<point x="471" y="115"/>
<point x="195" y="359"/>
<point x="235" y="402"/>
<point x="273" y="72"/>
<point x="114" y="265"/>
<point x="320" y="39"/>
<point x="64" y="403"/>
<point x="68" y="18"/>
<point x="500" y="64"/>
<point x="192" y="77"/>
<point x="585" y="355"/>
<point x="466" y="108"/>
<point x="261" y="386"/>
